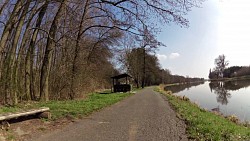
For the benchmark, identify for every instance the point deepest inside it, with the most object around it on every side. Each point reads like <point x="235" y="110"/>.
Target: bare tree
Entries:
<point x="44" y="40"/>
<point x="13" y="50"/>
<point x="47" y="59"/>
<point x="30" y="54"/>
<point x="220" y="64"/>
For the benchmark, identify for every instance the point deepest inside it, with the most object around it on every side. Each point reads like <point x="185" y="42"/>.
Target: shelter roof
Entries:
<point x="121" y="76"/>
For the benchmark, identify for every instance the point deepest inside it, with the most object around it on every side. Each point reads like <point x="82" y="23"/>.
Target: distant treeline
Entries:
<point x="145" y="69"/>
<point x="168" y="78"/>
<point x="234" y="71"/>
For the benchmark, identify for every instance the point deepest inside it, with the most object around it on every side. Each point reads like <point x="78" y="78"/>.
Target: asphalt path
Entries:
<point x="145" y="116"/>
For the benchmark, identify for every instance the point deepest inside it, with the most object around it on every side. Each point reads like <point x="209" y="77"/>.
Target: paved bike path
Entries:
<point x="145" y="116"/>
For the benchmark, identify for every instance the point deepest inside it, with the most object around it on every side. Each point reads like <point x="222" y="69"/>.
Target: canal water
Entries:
<point x="228" y="98"/>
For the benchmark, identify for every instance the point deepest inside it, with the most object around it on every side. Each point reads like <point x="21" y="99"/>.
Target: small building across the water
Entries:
<point x="121" y="83"/>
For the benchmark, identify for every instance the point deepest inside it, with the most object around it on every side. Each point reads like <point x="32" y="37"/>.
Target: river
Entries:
<point x="228" y="98"/>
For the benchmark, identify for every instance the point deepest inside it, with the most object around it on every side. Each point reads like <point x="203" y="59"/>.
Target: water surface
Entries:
<point x="229" y="98"/>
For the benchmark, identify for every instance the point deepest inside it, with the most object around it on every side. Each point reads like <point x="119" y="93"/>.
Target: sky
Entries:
<point x="218" y="27"/>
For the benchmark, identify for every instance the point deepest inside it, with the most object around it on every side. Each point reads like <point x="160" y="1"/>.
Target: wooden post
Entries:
<point x="46" y="115"/>
<point x="113" y="85"/>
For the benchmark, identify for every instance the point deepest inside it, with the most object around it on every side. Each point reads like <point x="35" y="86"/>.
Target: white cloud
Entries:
<point x="174" y="55"/>
<point x="161" y="57"/>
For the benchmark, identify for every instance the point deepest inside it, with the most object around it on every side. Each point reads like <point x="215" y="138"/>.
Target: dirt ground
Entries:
<point x="30" y="127"/>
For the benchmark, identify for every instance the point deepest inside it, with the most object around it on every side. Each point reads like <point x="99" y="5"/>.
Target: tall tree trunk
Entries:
<point x="14" y="47"/>
<point x="20" y="61"/>
<point x="47" y="59"/>
<point x="5" y="62"/>
<point x="144" y="68"/>
<point x="29" y="75"/>
<point x="76" y="51"/>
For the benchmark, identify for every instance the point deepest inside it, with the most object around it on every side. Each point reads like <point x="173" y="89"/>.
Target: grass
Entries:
<point x="68" y="108"/>
<point x="73" y="108"/>
<point x="205" y="125"/>
<point x="76" y="108"/>
<point x="8" y="109"/>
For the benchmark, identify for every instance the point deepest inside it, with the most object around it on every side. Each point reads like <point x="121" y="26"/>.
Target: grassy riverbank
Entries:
<point x="204" y="125"/>
<point x="73" y="108"/>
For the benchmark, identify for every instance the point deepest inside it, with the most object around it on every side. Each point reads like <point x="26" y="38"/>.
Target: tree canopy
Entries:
<point x="59" y="49"/>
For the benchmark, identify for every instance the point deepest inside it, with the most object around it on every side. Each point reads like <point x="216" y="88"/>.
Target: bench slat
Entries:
<point x="22" y="113"/>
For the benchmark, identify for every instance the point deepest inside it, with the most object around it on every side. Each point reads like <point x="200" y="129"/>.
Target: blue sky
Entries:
<point x="219" y="27"/>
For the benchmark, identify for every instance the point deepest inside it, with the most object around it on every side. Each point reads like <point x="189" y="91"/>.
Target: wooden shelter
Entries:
<point x="121" y="83"/>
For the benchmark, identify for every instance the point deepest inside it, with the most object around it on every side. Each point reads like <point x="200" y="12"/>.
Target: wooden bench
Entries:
<point x="41" y="112"/>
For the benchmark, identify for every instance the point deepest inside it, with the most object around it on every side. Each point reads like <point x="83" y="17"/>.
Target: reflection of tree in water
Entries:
<point x="221" y="92"/>
<point x="222" y="95"/>
<point x="236" y="85"/>
<point x="182" y="87"/>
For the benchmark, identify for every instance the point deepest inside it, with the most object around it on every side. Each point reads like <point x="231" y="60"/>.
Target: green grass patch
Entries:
<point x="76" y="108"/>
<point x="205" y="125"/>
<point x="72" y="108"/>
<point x="9" y="109"/>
